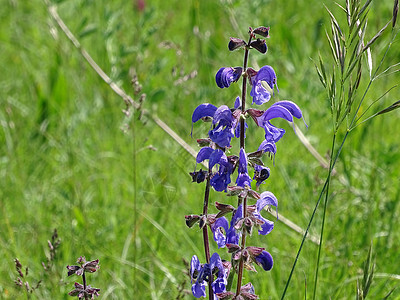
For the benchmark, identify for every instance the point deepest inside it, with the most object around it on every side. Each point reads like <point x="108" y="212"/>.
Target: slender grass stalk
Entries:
<point x="323" y="215"/>
<point x="325" y="188"/>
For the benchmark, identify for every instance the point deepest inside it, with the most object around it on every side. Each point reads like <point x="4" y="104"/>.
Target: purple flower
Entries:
<point x="220" y="179"/>
<point x="266" y="198"/>
<point x="261" y="174"/>
<point x="231" y="236"/>
<point x="267" y="146"/>
<point x="243" y="177"/>
<point x="223" y="122"/>
<point x="225" y="76"/>
<point x="203" y="274"/>
<point x="265" y="260"/>
<point x="219" y="236"/>
<point x="281" y="109"/>
<point x="258" y="92"/>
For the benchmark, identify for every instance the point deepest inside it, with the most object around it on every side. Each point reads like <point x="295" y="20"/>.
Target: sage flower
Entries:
<point x="203" y="274"/>
<point x="225" y="76"/>
<point x="258" y="92"/>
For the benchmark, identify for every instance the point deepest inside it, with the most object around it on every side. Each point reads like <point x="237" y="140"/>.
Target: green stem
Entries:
<point x="323" y="216"/>
<point x="334" y="163"/>
<point x="313" y="214"/>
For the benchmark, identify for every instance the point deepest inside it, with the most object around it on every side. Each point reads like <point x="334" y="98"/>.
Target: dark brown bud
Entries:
<point x="259" y="45"/>
<point x="202" y="221"/>
<point x="257" y="154"/>
<point x="224" y="207"/>
<point x="232" y="248"/>
<point x="263" y="31"/>
<point x="191" y="220"/>
<point x="254" y="194"/>
<point x="235" y="43"/>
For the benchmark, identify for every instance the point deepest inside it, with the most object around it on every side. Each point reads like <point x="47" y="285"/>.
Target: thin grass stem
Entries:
<point x="323" y="217"/>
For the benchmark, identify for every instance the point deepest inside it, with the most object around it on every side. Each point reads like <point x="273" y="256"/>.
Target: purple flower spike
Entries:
<point x="258" y="92"/>
<point x="265" y="260"/>
<point x="225" y="76"/>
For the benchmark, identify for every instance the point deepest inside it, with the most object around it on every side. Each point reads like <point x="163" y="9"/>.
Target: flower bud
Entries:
<point x="236" y="43"/>
<point x="259" y="45"/>
<point x="191" y="220"/>
<point x="263" y="31"/>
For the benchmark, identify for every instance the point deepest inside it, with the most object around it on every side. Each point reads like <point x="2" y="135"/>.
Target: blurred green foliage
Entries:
<point x="121" y="197"/>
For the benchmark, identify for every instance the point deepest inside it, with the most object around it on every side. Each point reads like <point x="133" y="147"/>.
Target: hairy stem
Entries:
<point x="244" y="89"/>
<point x="84" y="283"/>
<point x="241" y="263"/>
<point x="242" y="145"/>
<point x="205" y="231"/>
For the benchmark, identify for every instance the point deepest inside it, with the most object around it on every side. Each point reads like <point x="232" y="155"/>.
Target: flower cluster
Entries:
<point x="83" y="291"/>
<point x="226" y="124"/>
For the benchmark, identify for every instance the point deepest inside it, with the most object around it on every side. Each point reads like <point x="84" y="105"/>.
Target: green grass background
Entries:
<point x="121" y="197"/>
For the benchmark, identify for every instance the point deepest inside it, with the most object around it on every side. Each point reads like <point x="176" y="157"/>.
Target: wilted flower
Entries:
<point x="83" y="293"/>
<point x="90" y="266"/>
